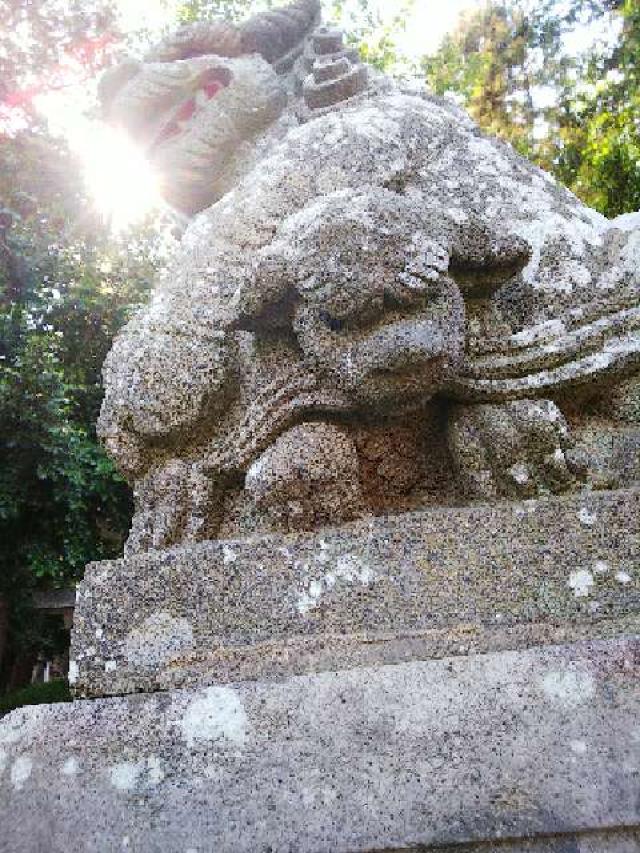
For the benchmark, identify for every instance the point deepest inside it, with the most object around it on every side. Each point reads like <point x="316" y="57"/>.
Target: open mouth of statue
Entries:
<point x="209" y="84"/>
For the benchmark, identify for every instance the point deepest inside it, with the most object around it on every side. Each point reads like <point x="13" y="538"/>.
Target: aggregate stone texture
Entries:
<point x="360" y="258"/>
<point x="381" y="416"/>
<point x="425" y="584"/>
<point x="614" y="841"/>
<point x="504" y="745"/>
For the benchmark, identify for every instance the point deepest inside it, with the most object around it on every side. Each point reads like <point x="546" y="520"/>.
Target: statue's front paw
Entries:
<point x="308" y="477"/>
<point x="516" y="450"/>
<point x="173" y="505"/>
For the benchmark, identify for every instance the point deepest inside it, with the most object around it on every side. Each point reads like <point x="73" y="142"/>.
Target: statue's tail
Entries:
<point x="276" y="33"/>
<point x="546" y="359"/>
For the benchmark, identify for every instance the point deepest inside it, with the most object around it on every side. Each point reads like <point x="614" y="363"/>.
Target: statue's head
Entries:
<point x="199" y="99"/>
<point x="365" y="290"/>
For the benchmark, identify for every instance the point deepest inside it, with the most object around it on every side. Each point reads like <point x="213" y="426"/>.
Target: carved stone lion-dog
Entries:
<point x="374" y="307"/>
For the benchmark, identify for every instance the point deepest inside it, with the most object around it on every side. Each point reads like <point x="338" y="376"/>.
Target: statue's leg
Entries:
<point x="517" y="449"/>
<point x="307" y="478"/>
<point x="175" y="503"/>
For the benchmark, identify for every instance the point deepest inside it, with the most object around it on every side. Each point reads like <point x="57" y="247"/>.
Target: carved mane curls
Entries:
<point x="272" y="34"/>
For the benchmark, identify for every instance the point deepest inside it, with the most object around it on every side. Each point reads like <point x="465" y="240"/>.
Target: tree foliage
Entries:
<point x="66" y="286"/>
<point x="64" y="291"/>
<point x="598" y="135"/>
<point x="576" y="116"/>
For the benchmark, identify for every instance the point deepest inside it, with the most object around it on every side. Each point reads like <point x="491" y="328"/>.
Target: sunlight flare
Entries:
<point x="118" y="177"/>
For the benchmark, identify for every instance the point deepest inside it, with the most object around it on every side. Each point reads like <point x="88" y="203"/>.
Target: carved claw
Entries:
<point x="174" y="504"/>
<point x="518" y="449"/>
<point x="308" y="477"/>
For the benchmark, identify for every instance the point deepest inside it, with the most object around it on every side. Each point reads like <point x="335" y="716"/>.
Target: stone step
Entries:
<point x="612" y="841"/>
<point x="517" y="745"/>
<point x="427" y="584"/>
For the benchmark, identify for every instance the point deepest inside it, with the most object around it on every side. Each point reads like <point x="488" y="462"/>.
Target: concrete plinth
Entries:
<point x="449" y="677"/>
<point x="508" y="745"/>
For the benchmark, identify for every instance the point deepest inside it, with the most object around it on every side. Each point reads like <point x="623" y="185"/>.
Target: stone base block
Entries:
<point x="538" y="746"/>
<point x="427" y="584"/>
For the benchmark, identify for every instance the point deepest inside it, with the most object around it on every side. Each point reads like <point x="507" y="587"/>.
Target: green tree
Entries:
<point x="65" y="289"/>
<point x="598" y="137"/>
<point x="66" y="286"/>
<point x="494" y="60"/>
<point x="504" y="56"/>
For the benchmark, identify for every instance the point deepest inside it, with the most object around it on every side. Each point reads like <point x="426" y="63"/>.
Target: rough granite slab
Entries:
<point x="620" y="841"/>
<point x="433" y="583"/>
<point x="507" y="745"/>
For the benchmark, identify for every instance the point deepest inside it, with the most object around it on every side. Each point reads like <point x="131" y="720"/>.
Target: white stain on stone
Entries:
<point x="110" y="666"/>
<point x="569" y="687"/>
<point x="579" y="747"/>
<point x="154" y="770"/>
<point x="324" y="555"/>
<point x="217" y="714"/>
<point x="3" y="759"/>
<point x="581" y="583"/>
<point x="228" y="555"/>
<point x="348" y="568"/>
<point x="587" y="518"/>
<point x="73" y="672"/>
<point x="623" y="577"/>
<point x="520" y="473"/>
<point x="70" y="767"/>
<point x="99" y="633"/>
<point x="21" y="771"/>
<point x="21" y="725"/>
<point x="125" y="774"/>
<point x="160" y="638"/>
<point x="601" y="567"/>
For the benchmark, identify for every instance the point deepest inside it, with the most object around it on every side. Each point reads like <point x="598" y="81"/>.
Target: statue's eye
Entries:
<point x="332" y="323"/>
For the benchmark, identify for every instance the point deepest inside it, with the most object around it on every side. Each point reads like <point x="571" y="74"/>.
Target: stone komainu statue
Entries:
<point x="375" y="307"/>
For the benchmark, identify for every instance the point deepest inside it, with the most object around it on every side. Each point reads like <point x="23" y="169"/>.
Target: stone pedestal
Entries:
<point x="449" y="677"/>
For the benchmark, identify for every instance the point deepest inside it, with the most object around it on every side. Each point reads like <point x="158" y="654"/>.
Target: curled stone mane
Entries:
<point x="272" y="34"/>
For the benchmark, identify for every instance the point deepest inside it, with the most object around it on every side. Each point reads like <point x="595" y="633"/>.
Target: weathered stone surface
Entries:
<point x="433" y="583"/>
<point x="362" y="257"/>
<point x="505" y="745"/>
<point x="378" y="318"/>
<point x="621" y="841"/>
